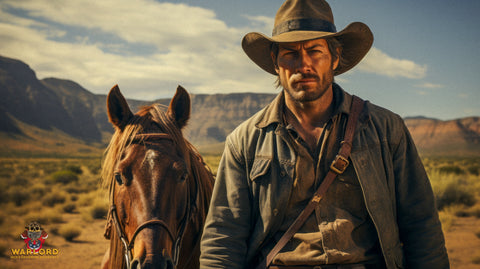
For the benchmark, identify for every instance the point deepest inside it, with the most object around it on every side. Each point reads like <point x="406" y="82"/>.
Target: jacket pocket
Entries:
<point x="260" y="167"/>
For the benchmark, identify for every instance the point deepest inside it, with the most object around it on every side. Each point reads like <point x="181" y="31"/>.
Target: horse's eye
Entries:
<point x="118" y="178"/>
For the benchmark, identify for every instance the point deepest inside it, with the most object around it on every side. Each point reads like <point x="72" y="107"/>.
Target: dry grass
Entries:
<point x="65" y="207"/>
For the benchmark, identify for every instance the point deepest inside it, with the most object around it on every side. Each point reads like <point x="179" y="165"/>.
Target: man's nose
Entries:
<point x="304" y="62"/>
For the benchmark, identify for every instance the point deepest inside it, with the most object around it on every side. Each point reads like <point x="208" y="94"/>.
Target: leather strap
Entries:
<point x="337" y="167"/>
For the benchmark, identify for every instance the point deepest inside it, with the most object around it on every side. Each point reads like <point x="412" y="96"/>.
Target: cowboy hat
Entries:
<point x="303" y="20"/>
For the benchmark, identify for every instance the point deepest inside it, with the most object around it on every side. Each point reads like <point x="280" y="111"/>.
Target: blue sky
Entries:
<point x="424" y="59"/>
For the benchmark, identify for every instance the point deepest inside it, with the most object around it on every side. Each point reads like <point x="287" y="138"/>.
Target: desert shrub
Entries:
<point x="5" y="172"/>
<point x="70" y="232"/>
<point x="475" y="212"/>
<point x="48" y="167"/>
<point x="474" y="170"/>
<point x="94" y="166"/>
<point x="69" y="208"/>
<point x="3" y="250"/>
<point x="53" y="198"/>
<point x="38" y="190"/>
<point x="98" y="211"/>
<point x="45" y="216"/>
<point x="3" y="194"/>
<point x="86" y="199"/>
<point x="454" y="193"/>
<point x="476" y="259"/>
<point x="64" y="177"/>
<point x="74" y="168"/>
<point x="451" y="189"/>
<point x="18" y="195"/>
<point x="76" y="188"/>
<point x="20" y="180"/>
<point x="452" y="169"/>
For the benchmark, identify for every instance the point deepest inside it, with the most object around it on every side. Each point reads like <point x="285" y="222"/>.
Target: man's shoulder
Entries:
<point x="248" y="127"/>
<point x="377" y="112"/>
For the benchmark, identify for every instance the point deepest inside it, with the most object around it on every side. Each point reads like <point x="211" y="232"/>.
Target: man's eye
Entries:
<point x="289" y="54"/>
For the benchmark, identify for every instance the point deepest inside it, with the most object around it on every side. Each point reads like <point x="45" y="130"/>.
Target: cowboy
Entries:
<point x="372" y="205"/>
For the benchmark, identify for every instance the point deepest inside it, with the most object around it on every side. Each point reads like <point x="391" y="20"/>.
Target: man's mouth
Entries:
<point x="302" y="78"/>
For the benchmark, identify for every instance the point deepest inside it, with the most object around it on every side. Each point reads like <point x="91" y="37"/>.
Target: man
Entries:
<point x="379" y="213"/>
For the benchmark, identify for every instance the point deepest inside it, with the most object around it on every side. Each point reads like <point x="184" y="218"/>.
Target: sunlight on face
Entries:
<point x="305" y="69"/>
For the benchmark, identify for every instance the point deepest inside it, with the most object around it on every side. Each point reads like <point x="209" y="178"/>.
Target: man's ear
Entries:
<point x="274" y="60"/>
<point x="337" y="60"/>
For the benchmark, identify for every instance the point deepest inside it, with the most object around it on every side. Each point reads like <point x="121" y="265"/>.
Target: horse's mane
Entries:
<point x="122" y="139"/>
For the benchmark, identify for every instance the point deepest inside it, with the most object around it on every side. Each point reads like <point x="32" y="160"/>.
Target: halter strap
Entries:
<point x="148" y="223"/>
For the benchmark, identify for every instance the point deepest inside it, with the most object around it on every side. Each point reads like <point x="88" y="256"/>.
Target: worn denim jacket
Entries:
<point x="255" y="178"/>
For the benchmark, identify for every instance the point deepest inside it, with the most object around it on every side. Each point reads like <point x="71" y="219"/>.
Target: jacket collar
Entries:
<point x="273" y="113"/>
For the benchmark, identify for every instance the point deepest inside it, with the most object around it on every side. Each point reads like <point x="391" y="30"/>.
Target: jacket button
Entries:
<point x="283" y="174"/>
<point x="275" y="212"/>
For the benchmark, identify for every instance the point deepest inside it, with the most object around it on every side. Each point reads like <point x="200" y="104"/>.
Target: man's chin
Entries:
<point x="303" y="96"/>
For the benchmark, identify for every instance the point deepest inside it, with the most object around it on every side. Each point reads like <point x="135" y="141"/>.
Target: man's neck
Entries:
<point x="314" y="113"/>
<point x="309" y="118"/>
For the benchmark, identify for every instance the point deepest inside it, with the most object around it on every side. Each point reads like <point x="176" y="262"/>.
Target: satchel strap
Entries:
<point x="337" y="167"/>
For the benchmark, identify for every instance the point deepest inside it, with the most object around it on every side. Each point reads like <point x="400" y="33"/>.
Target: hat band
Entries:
<point x="304" y="25"/>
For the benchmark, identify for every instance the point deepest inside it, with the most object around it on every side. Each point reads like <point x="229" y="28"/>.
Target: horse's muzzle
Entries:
<point x="153" y="261"/>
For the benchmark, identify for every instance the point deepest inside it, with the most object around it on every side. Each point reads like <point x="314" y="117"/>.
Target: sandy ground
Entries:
<point x="462" y="243"/>
<point x="88" y="249"/>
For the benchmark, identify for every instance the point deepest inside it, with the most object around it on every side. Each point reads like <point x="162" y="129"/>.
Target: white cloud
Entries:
<point x="146" y="47"/>
<point x="380" y="63"/>
<point x="429" y="85"/>
<point x="188" y="46"/>
<point x="422" y="93"/>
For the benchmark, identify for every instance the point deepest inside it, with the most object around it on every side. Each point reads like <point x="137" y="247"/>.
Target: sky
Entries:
<point x="424" y="60"/>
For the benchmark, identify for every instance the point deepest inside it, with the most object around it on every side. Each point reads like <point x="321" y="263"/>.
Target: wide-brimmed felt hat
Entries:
<point x="303" y="20"/>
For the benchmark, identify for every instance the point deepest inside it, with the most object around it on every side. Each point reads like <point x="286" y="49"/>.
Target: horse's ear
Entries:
<point x="179" y="108"/>
<point x="118" y="111"/>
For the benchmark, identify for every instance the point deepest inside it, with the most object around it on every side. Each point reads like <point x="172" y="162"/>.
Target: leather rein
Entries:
<point x="128" y="244"/>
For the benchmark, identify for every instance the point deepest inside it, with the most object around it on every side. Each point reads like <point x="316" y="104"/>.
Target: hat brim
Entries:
<point x="356" y="40"/>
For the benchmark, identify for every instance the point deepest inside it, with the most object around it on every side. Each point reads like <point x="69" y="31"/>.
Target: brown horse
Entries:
<point x="159" y="187"/>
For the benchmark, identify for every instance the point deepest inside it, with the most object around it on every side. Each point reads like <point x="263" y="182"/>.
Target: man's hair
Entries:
<point x="332" y="43"/>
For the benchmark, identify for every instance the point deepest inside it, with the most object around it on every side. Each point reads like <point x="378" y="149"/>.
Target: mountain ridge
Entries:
<point x="31" y="110"/>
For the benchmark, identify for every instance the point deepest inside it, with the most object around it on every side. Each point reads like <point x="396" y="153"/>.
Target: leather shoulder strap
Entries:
<point x="337" y="167"/>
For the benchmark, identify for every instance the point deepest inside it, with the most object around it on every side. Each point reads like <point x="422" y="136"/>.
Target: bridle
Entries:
<point x="128" y="245"/>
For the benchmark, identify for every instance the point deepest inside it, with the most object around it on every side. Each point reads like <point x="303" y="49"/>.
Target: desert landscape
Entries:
<point x="51" y="151"/>
<point x="65" y="197"/>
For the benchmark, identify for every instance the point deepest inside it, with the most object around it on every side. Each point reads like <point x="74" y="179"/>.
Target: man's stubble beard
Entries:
<point x="302" y="95"/>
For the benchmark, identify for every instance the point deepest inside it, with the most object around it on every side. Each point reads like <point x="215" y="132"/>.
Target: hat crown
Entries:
<point x="298" y="15"/>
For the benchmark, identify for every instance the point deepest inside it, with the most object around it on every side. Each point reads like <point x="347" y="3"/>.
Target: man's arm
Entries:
<point x="420" y="228"/>
<point x="227" y="228"/>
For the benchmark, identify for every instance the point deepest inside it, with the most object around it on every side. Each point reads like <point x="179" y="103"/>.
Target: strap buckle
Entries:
<point x="339" y="164"/>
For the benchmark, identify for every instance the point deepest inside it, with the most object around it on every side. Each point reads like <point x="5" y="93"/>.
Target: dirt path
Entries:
<point x="462" y="243"/>
<point x="87" y="251"/>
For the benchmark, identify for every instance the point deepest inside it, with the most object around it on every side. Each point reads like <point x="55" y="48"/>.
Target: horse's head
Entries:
<point x="147" y="167"/>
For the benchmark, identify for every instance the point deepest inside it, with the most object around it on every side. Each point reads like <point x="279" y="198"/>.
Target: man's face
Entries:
<point x="305" y="69"/>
